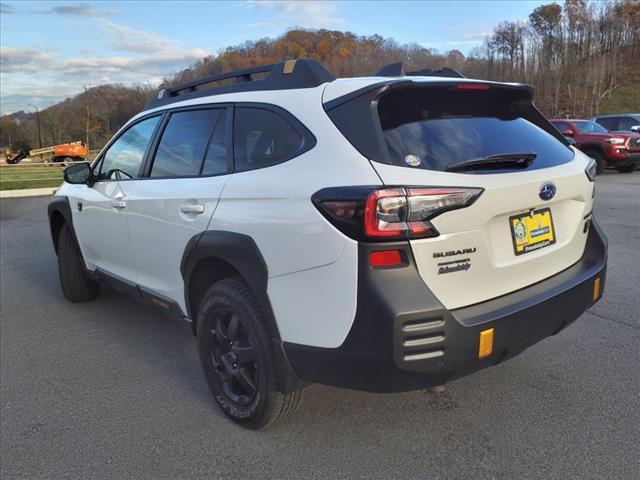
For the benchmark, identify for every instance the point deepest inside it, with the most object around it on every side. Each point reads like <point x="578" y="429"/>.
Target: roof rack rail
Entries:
<point x="289" y="74"/>
<point x="397" y="70"/>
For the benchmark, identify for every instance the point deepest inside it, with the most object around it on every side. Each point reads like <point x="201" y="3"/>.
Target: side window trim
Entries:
<point x="153" y="147"/>
<point x="221" y="113"/>
<point x="97" y="164"/>
<point x="231" y="112"/>
<point x="148" y="163"/>
<point x="308" y="139"/>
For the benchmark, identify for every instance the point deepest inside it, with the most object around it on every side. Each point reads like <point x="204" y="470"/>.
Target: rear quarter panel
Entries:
<point x="312" y="266"/>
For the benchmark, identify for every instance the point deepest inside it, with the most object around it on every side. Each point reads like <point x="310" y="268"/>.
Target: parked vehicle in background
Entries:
<point x="629" y="123"/>
<point x="383" y="233"/>
<point x="613" y="149"/>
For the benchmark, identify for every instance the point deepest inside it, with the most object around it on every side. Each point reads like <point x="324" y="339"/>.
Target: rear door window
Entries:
<point x="262" y="138"/>
<point x="433" y="129"/>
<point x="626" y="123"/>
<point x="183" y="144"/>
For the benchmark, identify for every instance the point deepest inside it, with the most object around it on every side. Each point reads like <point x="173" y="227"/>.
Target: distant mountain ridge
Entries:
<point x="576" y="55"/>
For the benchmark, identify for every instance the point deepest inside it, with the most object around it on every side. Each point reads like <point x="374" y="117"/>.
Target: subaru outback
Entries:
<point x="384" y="233"/>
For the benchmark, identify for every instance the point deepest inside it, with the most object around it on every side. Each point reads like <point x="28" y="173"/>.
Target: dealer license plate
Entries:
<point x="532" y="231"/>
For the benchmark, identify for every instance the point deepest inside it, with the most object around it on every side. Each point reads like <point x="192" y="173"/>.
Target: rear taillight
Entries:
<point x="372" y="214"/>
<point x="591" y="170"/>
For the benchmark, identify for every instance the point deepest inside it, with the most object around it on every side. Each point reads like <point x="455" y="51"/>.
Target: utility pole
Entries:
<point x="86" y="94"/>
<point x="38" y="121"/>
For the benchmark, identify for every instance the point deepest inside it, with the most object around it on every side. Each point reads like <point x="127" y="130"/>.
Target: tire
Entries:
<point x="601" y="163"/>
<point x="628" y="168"/>
<point x="76" y="285"/>
<point x="235" y="348"/>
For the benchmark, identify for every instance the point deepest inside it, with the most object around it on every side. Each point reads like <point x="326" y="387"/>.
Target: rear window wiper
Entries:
<point x="502" y="160"/>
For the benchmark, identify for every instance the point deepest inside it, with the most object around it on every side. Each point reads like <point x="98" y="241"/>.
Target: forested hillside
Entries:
<point x="583" y="58"/>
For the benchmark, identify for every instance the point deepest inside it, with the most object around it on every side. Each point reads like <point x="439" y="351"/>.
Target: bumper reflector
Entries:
<point x="596" y="289"/>
<point x="486" y="343"/>
<point x="386" y="258"/>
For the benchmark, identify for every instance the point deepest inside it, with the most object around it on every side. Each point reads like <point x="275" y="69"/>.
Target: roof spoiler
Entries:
<point x="289" y="74"/>
<point x="397" y="70"/>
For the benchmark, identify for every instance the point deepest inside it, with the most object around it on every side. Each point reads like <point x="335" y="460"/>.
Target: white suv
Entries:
<point x="383" y="233"/>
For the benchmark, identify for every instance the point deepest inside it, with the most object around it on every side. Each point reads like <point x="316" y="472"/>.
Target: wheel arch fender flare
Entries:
<point x="242" y="253"/>
<point x="239" y="251"/>
<point x="58" y="211"/>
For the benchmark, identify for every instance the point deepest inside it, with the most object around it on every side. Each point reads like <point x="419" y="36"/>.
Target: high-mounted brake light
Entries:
<point x="472" y="86"/>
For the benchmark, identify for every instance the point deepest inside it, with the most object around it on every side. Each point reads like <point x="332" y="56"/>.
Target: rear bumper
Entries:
<point x="403" y="338"/>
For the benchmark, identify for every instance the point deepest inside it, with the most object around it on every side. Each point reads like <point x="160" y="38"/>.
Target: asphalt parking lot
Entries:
<point x="111" y="390"/>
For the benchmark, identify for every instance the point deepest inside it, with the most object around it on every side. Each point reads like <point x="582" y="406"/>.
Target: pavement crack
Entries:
<point x="591" y="312"/>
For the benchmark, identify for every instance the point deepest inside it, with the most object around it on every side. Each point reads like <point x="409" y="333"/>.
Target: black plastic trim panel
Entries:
<point x="403" y="338"/>
<point x="147" y="297"/>
<point x="59" y="204"/>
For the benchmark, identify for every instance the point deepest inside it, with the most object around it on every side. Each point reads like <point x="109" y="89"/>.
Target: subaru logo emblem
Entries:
<point x="547" y="191"/>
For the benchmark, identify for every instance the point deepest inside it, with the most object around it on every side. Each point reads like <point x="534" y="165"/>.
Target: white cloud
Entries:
<point x="31" y="75"/>
<point x="131" y="40"/>
<point x="81" y="9"/>
<point x="24" y="60"/>
<point x="286" y="13"/>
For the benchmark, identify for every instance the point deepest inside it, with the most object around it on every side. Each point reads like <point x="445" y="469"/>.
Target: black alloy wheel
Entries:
<point x="233" y="355"/>
<point x="236" y="347"/>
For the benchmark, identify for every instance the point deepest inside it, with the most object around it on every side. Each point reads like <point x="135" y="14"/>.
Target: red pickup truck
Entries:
<point x="619" y="150"/>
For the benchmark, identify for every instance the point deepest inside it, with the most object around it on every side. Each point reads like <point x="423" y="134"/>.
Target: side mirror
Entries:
<point x="571" y="141"/>
<point x="635" y="128"/>
<point x="567" y="132"/>
<point x="80" y="173"/>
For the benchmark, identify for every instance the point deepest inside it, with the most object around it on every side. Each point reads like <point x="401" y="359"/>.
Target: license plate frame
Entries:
<point x="526" y="239"/>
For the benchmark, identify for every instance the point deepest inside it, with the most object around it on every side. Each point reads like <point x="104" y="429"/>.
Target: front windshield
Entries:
<point x="589" y="127"/>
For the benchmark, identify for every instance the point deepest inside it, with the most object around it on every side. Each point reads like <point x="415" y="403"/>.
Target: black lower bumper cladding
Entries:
<point x="403" y="338"/>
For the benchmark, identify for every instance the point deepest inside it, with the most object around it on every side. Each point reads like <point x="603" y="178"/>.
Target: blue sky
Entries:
<point x="51" y="50"/>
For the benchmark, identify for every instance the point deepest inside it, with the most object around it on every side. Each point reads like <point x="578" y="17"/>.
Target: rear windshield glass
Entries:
<point x="434" y="128"/>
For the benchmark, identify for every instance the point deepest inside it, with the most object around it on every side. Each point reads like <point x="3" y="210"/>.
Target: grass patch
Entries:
<point x="30" y="176"/>
<point x="624" y="99"/>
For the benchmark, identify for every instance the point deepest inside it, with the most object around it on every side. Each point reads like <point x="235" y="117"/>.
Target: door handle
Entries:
<point x="192" y="208"/>
<point x="118" y="204"/>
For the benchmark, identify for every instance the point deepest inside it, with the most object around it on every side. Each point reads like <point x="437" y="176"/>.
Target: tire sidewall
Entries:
<point x="222" y="297"/>
<point x="601" y="163"/>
